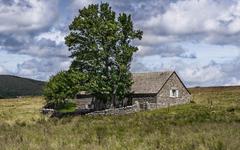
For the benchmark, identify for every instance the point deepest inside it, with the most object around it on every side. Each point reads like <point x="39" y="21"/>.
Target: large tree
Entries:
<point x="101" y="46"/>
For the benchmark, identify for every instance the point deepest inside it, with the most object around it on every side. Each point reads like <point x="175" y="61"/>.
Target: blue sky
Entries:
<point x="200" y="39"/>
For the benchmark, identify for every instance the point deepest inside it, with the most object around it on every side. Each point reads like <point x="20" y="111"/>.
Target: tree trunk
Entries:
<point x="114" y="100"/>
<point x="114" y="97"/>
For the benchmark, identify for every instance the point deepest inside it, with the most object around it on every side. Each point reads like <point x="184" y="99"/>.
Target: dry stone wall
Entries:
<point x="118" y="111"/>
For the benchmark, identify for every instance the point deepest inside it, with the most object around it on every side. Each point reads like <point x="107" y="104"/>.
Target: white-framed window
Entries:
<point x="174" y="92"/>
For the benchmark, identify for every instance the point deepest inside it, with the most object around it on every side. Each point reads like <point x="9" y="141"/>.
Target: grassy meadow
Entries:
<point x="211" y="121"/>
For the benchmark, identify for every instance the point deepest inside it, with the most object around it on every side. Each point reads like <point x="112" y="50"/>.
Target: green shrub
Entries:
<point x="63" y="86"/>
<point x="69" y="106"/>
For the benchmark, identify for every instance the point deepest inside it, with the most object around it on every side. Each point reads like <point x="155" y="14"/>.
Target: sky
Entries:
<point x="199" y="39"/>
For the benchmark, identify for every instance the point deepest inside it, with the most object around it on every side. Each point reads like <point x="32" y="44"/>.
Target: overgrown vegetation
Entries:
<point x="211" y="122"/>
<point x="12" y="86"/>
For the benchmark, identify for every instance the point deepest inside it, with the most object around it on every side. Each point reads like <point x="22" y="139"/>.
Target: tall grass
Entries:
<point x="201" y="125"/>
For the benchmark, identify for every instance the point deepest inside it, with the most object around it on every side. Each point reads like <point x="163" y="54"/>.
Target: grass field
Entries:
<point x="211" y="121"/>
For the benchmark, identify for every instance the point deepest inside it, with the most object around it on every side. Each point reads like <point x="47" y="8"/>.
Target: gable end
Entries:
<point x="178" y="79"/>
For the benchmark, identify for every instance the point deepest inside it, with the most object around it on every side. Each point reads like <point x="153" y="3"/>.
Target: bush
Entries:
<point x="69" y="106"/>
<point x="63" y="86"/>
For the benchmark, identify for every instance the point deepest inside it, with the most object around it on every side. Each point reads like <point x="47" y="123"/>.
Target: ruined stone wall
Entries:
<point x="164" y="98"/>
<point x="117" y="111"/>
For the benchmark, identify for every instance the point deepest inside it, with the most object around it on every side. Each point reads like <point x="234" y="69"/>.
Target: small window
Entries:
<point x="173" y="93"/>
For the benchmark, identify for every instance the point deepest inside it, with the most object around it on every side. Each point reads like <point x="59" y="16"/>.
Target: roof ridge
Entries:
<point x="153" y="72"/>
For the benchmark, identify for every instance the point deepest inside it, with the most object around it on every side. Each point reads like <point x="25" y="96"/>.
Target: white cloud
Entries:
<point x="45" y="50"/>
<point x="193" y="74"/>
<point x="43" y="45"/>
<point x="202" y="75"/>
<point x="26" y="15"/>
<point x="3" y="70"/>
<point x="78" y="4"/>
<point x="202" y="20"/>
<point x="42" y="69"/>
<point x="233" y="81"/>
<point x="188" y="17"/>
<point x="53" y="35"/>
<point x="164" y="50"/>
<point x="154" y="39"/>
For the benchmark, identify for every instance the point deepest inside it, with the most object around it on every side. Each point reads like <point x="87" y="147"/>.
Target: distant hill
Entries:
<point x="13" y="86"/>
<point x="214" y="89"/>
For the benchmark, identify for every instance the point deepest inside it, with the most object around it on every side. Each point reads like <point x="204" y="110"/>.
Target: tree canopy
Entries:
<point x="101" y="47"/>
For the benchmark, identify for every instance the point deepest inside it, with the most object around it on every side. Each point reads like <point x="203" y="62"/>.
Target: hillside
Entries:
<point x="12" y="86"/>
<point x="215" y="89"/>
<point x="210" y="121"/>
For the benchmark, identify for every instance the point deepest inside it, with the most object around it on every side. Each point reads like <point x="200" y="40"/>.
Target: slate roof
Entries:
<point x="149" y="83"/>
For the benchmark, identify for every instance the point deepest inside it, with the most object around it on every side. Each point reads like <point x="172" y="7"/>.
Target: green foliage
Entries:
<point x="100" y="45"/>
<point x="63" y="86"/>
<point x="67" y="107"/>
<point x="12" y="86"/>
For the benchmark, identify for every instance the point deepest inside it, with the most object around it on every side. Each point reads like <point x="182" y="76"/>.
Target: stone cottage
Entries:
<point x="150" y="90"/>
<point x="159" y="89"/>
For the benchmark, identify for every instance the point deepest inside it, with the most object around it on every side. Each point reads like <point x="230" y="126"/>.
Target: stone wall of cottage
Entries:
<point x="142" y="99"/>
<point x="163" y="97"/>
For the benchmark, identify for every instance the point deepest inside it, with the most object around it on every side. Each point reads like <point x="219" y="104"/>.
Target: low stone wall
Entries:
<point x="54" y="113"/>
<point x="135" y="108"/>
<point x="117" y="111"/>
